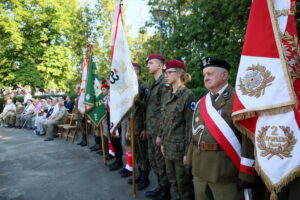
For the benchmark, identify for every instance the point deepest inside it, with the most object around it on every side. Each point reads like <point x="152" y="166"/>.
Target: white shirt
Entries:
<point x="9" y="107"/>
<point x="27" y="97"/>
<point x="55" y="110"/>
<point x="38" y="93"/>
<point x="28" y="108"/>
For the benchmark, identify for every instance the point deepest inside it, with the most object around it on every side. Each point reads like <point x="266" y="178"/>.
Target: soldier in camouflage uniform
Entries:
<point x="152" y="127"/>
<point x="216" y="174"/>
<point x="177" y="112"/>
<point x="141" y="144"/>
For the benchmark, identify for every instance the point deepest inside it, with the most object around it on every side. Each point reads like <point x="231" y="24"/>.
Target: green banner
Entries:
<point x="93" y="94"/>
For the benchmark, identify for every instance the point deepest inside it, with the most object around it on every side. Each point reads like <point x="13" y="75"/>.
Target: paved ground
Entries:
<point x="31" y="169"/>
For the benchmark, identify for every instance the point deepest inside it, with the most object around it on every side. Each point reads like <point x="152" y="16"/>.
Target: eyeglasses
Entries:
<point x="169" y="72"/>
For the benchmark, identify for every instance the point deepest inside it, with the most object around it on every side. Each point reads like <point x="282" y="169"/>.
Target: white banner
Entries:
<point x="277" y="146"/>
<point x="81" y="106"/>
<point x="123" y="80"/>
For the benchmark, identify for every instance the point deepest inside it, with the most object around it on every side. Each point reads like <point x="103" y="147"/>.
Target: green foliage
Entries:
<point x="40" y="42"/>
<point x="196" y="29"/>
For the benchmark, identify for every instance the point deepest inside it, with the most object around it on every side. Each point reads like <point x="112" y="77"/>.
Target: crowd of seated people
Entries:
<point x="8" y="93"/>
<point x="40" y="115"/>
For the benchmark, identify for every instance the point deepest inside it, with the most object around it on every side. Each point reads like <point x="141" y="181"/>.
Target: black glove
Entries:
<point x="244" y="184"/>
<point x="188" y="170"/>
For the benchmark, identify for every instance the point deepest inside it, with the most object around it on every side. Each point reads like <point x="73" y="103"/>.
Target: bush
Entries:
<point x="199" y="92"/>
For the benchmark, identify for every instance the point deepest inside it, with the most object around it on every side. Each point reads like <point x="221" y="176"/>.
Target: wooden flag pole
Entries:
<point x="86" y="129"/>
<point x="132" y="152"/>
<point x="102" y="143"/>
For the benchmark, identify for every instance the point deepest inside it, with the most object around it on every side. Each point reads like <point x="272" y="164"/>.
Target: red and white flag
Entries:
<point x="267" y="90"/>
<point x="123" y="80"/>
<point x="81" y="106"/>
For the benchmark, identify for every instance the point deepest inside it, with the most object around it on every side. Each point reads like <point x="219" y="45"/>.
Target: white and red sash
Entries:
<point x="225" y="136"/>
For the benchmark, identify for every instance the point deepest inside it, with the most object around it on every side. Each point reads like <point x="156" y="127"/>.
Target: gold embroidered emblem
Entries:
<point x="276" y="144"/>
<point x="255" y="81"/>
<point x="291" y="50"/>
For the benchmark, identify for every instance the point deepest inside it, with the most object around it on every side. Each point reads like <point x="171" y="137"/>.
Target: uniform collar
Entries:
<point x="221" y="91"/>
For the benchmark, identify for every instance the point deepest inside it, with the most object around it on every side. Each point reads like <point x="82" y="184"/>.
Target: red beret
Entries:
<point x="105" y="85"/>
<point x="136" y="64"/>
<point x="174" y="64"/>
<point x="155" y="56"/>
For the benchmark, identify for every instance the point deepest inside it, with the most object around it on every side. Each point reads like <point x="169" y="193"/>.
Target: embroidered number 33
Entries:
<point x="113" y="77"/>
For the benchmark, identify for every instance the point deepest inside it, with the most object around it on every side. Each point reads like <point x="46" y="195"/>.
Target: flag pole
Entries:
<point x="102" y="143"/>
<point x="133" y="153"/>
<point x="86" y="130"/>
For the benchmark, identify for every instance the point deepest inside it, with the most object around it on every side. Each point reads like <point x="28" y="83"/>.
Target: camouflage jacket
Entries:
<point x="153" y="106"/>
<point x="139" y="110"/>
<point x="176" y="129"/>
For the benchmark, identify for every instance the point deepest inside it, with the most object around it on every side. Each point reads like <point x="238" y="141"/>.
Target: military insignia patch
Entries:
<point x="146" y="91"/>
<point x="225" y="94"/>
<point x="192" y="105"/>
<point x="255" y="81"/>
<point x="168" y="85"/>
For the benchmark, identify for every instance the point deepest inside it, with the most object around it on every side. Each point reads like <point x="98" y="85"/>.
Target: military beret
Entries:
<point x="155" y="56"/>
<point x="174" y="64"/>
<point x="105" y="85"/>
<point x="136" y="64"/>
<point x="214" y="62"/>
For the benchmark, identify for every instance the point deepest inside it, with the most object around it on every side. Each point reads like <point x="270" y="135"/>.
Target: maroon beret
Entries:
<point x="155" y="56"/>
<point x="136" y="64"/>
<point x="105" y="85"/>
<point x="174" y="64"/>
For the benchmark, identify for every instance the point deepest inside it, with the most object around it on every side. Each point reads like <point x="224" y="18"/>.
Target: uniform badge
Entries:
<point x="255" y="81"/>
<point x="146" y="91"/>
<point x="167" y="85"/>
<point x="192" y="105"/>
<point x="164" y="67"/>
<point x="225" y="94"/>
<point x="206" y="61"/>
<point x="197" y="119"/>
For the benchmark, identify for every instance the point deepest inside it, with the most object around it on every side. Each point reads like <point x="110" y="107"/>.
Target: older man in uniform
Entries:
<point x="8" y="111"/>
<point x="220" y="157"/>
<point x="11" y="119"/>
<point x="51" y="125"/>
<point x="155" y="64"/>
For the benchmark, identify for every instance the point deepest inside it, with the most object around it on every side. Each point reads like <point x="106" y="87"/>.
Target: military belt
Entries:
<point x="205" y="146"/>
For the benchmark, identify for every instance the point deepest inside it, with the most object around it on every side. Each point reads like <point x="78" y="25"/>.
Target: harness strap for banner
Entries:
<point x="225" y="136"/>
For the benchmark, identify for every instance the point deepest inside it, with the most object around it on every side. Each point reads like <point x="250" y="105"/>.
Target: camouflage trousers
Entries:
<point x="141" y="154"/>
<point x="157" y="161"/>
<point x="182" y="183"/>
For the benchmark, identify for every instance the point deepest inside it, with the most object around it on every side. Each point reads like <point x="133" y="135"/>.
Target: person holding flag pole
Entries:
<point x="94" y="97"/>
<point x="80" y="107"/>
<point x="141" y="145"/>
<point x="219" y="157"/>
<point x="123" y="81"/>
